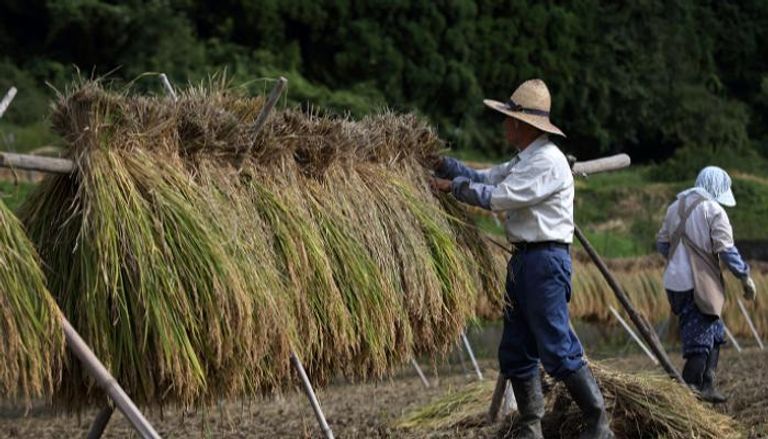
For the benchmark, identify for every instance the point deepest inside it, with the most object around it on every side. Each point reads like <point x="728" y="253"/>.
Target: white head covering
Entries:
<point x="717" y="183"/>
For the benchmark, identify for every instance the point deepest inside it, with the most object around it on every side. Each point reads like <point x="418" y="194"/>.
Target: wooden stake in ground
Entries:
<point x="168" y="87"/>
<point x="749" y="322"/>
<point x="105" y="381"/>
<point x="420" y="373"/>
<point x="498" y="396"/>
<point x="311" y="395"/>
<point x="274" y="95"/>
<point x="101" y="421"/>
<point x="642" y="325"/>
<point x="732" y="338"/>
<point x="634" y="336"/>
<point x="471" y="356"/>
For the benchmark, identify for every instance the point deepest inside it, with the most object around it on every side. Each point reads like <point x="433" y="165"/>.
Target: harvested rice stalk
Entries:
<point x="641" y="405"/>
<point x="31" y="338"/>
<point x="192" y="283"/>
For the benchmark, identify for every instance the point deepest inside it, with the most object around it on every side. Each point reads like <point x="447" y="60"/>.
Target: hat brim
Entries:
<point x="540" y="122"/>
<point x="726" y="199"/>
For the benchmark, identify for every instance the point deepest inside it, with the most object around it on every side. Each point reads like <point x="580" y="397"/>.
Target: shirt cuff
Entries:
<point x="451" y="168"/>
<point x="734" y="262"/>
<point x="476" y="194"/>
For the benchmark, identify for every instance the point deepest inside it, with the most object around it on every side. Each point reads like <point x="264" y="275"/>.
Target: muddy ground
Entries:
<point x="367" y="410"/>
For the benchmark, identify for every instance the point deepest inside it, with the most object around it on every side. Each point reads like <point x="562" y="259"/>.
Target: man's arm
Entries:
<point x="722" y="244"/>
<point x="735" y="263"/>
<point x="451" y="168"/>
<point x="531" y="184"/>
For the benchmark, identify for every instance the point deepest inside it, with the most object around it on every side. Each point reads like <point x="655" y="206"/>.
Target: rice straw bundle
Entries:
<point x="193" y="282"/>
<point x="31" y="338"/>
<point x="645" y="287"/>
<point x="641" y="405"/>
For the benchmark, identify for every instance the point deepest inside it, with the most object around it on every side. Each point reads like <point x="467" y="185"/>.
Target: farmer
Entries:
<point x="535" y="190"/>
<point x="695" y="236"/>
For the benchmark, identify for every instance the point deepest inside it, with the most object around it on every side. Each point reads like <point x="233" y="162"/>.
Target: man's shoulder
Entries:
<point x="551" y="153"/>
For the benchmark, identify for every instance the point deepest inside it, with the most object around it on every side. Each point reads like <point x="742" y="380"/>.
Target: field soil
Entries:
<point x="367" y="410"/>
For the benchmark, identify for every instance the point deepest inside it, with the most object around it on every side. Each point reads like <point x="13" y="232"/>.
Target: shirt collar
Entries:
<point x="698" y="190"/>
<point x="533" y="146"/>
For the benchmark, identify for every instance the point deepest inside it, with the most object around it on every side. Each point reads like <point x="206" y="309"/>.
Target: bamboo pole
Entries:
<point x="36" y="163"/>
<point x="610" y="163"/>
<point x="106" y="381"/>
<point x="101" y="421"/>
<point x="642" y="325"/>
<point x="498" y="395"/>
<point x="420" y="373"/>
<point x="311" y="395"/>
<point x="274" y="95"/>
<point x="168" y="87"/>
<point x="634" y="336"/>
<point x="749" y="322"/>
<point x="732" y="338"/>
<point x="7" y="99"/>
<point x="471" y="355"/>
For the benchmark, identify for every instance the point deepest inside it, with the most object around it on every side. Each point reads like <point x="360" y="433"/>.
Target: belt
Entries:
<point x="528" y="246"/>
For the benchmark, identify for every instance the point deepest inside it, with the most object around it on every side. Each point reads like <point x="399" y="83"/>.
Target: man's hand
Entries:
<point x="435" y="162"/>
<point x="750" y="290"/>
<point x="440" y="184"/>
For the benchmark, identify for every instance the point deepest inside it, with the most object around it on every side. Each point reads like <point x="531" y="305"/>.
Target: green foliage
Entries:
<point x="13" y="195"/>
<point x="646" y="77"/>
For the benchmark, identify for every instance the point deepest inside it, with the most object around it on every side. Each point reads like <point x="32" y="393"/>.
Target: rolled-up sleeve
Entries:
<point x="529" y="186"/>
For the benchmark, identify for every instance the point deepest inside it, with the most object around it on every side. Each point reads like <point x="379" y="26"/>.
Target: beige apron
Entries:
<point x="708" y="283"/>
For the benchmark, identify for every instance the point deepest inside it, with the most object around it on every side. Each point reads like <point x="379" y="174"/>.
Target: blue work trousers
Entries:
<point x="536" y="325"/>
<point x="699" y="332"/>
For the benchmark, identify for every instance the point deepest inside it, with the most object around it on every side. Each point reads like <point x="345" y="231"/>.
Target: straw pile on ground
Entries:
<point x="194" y="282"/>
<point x="31" y="338"/>
<point x="642" y="405"/>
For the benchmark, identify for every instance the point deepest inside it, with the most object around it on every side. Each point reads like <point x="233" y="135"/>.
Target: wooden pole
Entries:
<point x="471" y="356"/>
<point x="732" y="338"/>
<point x="311" y="395"/>
<point x="642" y="325"/>
<point x="498" y="395"/>
<point x="7" y="99"/>
<point x="610" y="163"/>
<point x="274" y="95"/>
<point x="168" y="87"/>
<point x="420" y="373"/>
<point x="105" y="380"/>
<point x="101" y="421"/>
<point x="36" y="163"/>
<point x="749" y="322"/>
<point x="634" y="336"/>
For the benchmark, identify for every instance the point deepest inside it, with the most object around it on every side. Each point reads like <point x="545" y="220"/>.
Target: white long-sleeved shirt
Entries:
<point x="535" y="190"/>
<point x="708" y="227"/>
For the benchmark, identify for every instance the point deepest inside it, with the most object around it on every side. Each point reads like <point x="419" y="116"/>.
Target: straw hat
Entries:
<point x="529" y="103"/>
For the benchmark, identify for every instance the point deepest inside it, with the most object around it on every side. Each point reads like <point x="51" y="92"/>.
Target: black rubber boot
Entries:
<point x="708" y="391"/>
<point x="693" y="371"/>
<point x="586" y="393"/>
<point x="530" y="406"/>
